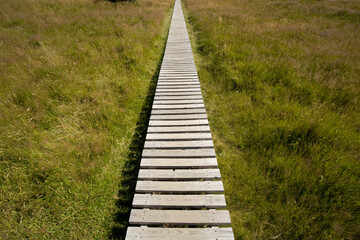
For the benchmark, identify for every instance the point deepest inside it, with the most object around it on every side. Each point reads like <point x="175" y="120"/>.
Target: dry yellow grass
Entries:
<point x="73" y="78"/>
<point x="281" y="86"/>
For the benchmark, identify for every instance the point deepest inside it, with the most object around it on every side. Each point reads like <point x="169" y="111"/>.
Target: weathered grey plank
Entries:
<point x="178" y="117"/>
<point x="151" y="233"/>
<point x="179" y="201"/>
<point x="177" y="93"/>
<point x="174" y="163"/>
<point x="178" y="136"/>
<point x="195" y="80"/>
<point x="179" y="144"/>
<point x="177" y="72"/>
<point x="178" y="83"/>
<point x="179" y="187"/>
<point x="163" y="74"/>
<point x="178" y="102"/>
<point x="179" y="217"/>
<point x="178" y="122"/>
<point x="178" y="90"/>
<point x="175" y="106"/>
<point x="159" y="97"/>
<point x="201" y="152"/>
<point x="179" y="129"/>
<point x="179" y="174"/>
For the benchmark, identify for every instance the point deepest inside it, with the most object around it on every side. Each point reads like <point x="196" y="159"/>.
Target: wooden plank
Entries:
<point x="178" y="77"/>
<point x="178" y="136"/>
<point x="169" y="102"/>
<point x="202" y="152"/>
<point x="187" y="67"/>
<point x="179" y="144"/>
<point x="178" y="117"/>
<point x="178" y="163"/>
<point x="192" y="74"/>
<point x="179" y="217"/>
<point x="170" y="90"/>
<point x="178" y="122"/>
<point x="179" y="86"/>
<point x="195" y="80"/>
<point x="163" y="71"/>
<point x="179" y="174"/>
<point x="179" y="129"/>
<point x="181" y="83"/>
<point x="163" y="74"/>
<point x="179" y="201"/>
<point x="151" y="233"/>
<point x="179" y="187"/>
<point x="177" y="93"/>
<point x="159" y="97"/>
<point x="175" y="106"/>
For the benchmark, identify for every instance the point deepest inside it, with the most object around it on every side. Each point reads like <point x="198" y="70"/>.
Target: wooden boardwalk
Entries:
<point x="179" y="193"/>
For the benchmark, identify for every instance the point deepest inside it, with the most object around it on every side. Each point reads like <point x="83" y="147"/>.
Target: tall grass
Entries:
<point x="73" y="78"/>
<point x="281" y="86"/>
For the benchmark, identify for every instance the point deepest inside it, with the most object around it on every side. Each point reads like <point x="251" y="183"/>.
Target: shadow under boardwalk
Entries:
<point x="132" y="163"/>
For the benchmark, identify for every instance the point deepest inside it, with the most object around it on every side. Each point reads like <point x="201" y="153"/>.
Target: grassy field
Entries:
<point x="74" y="78"/>
<point x="281" y="86"/>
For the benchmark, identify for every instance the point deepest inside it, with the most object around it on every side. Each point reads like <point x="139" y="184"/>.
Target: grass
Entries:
<point x="281" y="87"/>
<point x="74" y="89"/>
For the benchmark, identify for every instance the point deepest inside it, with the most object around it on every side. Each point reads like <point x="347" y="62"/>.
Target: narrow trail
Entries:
<point x="179" y="190"/>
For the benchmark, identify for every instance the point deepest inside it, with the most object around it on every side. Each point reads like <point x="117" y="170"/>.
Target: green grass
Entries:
<point x="74" y="79"/>
<point x="281" y="87"/>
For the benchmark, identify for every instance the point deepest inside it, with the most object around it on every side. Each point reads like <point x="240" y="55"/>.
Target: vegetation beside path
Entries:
<point x="74" y="76"/>
<point x="281" y="87"/>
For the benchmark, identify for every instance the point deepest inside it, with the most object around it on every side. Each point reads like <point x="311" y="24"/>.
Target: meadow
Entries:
<point x="281" y="87"/>
<point x="74" y="81"/>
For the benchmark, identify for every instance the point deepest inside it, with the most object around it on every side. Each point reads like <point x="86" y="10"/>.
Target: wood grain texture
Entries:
<point x="177" y="111"/>
<point x="179" y="217"/>
<point x="175" y="163"/>
<point x="179" y="174"/>
<point x="151" y="233"/>
<point x="179" y="122"/>
<point x="179" y="117"/>
<point x="178" y="136"/>
<point x="179" y="187"/>
<point x="174" y="129"/>
<point x="179" y="201"/>
<point x="202" y="152"/>
<point x="179" y="144"/>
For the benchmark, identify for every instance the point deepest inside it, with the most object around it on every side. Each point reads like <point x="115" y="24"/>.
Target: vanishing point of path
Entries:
<point x="179" y="190"/>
